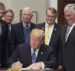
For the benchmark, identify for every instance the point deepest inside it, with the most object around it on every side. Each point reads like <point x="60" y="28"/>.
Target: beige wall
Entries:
<point x="36" y="5"/>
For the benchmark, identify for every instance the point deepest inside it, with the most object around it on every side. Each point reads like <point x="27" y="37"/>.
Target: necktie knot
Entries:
<point x="27" y="26"/>
<point x="48" y="26"/>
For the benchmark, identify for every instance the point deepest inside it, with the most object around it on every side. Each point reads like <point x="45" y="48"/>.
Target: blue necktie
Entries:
<point x="34" y="56"/>
<point x="27" y="33"/>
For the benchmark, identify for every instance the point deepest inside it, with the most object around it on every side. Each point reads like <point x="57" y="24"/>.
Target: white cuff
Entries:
<point x="43" y="65"/>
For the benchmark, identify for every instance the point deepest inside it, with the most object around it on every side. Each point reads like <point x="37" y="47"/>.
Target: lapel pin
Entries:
<point x="55" y="29"/>
<point x="41" y="52"/>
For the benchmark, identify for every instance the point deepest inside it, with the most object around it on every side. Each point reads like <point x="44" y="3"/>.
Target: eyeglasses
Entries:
<point x="50" y="16"/>
<point x="27" y="15"/>
<point x="69" y="15"/>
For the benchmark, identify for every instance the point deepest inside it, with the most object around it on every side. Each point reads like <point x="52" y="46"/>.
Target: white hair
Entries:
<point x="73" y="8"/>
<point x="27" y="8"/>
<point x="70" y="6"/>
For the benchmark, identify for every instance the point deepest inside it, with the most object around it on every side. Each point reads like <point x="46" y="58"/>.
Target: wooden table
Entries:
<point x="3" y="69"/>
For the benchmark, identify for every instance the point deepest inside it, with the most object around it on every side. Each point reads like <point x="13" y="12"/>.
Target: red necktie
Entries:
<point x="27" y="26"/>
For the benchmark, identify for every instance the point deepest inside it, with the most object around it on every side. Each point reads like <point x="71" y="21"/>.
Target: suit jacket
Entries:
<point x="23" y="54"/>
<point x="8" y="45"/>
<point x="68" y="50"/>
<point x="55" y="38"/>
<point x="17" y="35"/>
<point x="3" y="38"/>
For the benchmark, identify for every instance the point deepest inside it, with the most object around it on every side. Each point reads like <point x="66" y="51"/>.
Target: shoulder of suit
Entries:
<point x="3" y="22"/>
<point x="22" y="46"/>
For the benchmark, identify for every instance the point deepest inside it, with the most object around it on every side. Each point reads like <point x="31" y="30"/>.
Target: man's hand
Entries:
<point x="35" y="66"/>
<point x="60" y="67"/>
<point x="18" y="65"/>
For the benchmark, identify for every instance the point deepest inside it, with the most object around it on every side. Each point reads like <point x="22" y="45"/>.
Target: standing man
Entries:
<point x="68" y="39"/>
<point x="20" y="33"/>
<point x="52" y="30"/>
<point x="3" y="35"/>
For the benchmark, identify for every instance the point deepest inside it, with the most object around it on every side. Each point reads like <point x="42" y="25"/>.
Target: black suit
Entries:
<point x="3" y="38"/>
<point x="55" y="38"/>
<point x="23" y="54"/>
<point x="17" y="35"/>
<point x="8" y="44"/>
<point x="68" y="50"/>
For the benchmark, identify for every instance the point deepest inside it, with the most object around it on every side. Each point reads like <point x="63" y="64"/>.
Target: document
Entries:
<point x="37" y="69"/>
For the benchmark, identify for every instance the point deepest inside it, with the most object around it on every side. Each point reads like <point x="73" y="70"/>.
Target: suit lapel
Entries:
<point x="21" y="30"/>
<point x="43" y="27"/>
<point x="70" y="35"/>
<point x="53" y="33"/>
<point x="41" y="54"/>
<point x="64" y="33"/>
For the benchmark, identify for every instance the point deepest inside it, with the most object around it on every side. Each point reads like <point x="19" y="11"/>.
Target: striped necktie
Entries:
<point x="67" y="32"/>
<point x="34" y="56"/>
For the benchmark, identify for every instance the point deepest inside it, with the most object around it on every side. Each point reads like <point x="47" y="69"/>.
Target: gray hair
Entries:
<point x="27" y="8"/>
<point x="70" y="6"/>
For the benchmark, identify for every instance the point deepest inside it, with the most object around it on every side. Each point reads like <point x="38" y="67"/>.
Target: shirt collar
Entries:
<point x="46" y="24"/>
<point x="24" y="24"/>
<point x="37" y="50"/>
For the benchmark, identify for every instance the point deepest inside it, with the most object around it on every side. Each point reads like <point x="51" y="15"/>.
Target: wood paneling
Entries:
<point x="61" y="5"/>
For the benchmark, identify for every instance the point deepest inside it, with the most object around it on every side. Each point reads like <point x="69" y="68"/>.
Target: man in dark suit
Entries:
<point x="8" y="16"/>
<point x="68" y="39"/>
<point x="3" y="36"/>
<point x="20" y="32"/>
<point x="23" y="55"/>
<point x="52" y="38"/>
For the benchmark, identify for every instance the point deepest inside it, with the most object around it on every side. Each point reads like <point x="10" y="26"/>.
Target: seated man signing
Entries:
<point x="34" y="55"/>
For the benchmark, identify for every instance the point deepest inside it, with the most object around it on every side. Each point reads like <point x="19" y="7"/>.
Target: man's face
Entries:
<point x="1" y="13"/>
<point x="8" y="17"/>
<point x="50" y="17"/>
<point x="26" y="16"/>
<point x="69" y="16"/>
<point x="35" y="42"/>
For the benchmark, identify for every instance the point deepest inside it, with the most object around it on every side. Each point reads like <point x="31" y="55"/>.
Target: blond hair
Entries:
<point x="38" y="33"/>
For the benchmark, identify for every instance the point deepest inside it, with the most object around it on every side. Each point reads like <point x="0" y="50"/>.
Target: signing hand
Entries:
<point x="35" y="66"/>
<point x="18" y="65"/>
